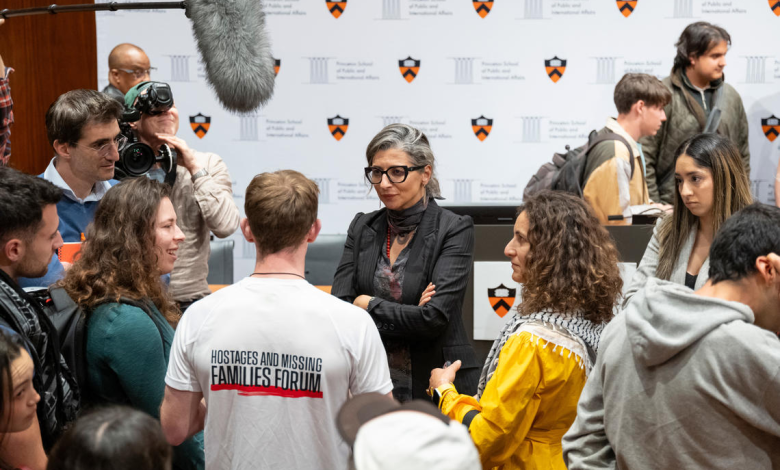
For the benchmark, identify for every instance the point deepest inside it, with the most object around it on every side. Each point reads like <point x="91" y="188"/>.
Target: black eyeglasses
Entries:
<point x="395" y="174"/>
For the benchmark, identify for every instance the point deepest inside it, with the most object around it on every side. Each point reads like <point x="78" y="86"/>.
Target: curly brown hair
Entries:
<point x="118" y="257"/>
<point x="571" y="265"/>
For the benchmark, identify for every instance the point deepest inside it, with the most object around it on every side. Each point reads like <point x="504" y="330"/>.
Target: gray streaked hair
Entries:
<point x="414" y="143"/>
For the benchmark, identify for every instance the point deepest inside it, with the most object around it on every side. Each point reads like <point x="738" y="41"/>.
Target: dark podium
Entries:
<point x="493" y="227"/>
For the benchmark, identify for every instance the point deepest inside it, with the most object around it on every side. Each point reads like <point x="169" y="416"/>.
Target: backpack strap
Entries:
<point x="140" y="304"/>
<point x="713" y="119"/>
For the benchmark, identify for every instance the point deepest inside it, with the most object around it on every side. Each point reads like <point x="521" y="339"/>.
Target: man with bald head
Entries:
<point x="128" y="66"/>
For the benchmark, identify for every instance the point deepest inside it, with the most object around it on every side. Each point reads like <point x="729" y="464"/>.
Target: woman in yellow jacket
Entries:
<point x="537" y="367"/>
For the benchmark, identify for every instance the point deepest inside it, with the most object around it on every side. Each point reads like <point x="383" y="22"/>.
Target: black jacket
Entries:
<point x="442" y="253"/>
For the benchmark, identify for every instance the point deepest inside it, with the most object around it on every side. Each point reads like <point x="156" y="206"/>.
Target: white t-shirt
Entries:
<point x="275" y="360"/>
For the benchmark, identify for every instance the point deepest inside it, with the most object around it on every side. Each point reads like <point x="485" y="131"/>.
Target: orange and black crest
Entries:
<point x="555" y="68"/>
<point x="771" y="127"/>
<point x="501" y="299"/>
<point x="277" y="66"/>
<point x="775" y="6"/>
<point x="336" y="8"/>
<point x="200" y="124"/>
<point x="483" y="8"/>
<point x="338" y="126"/>
<point x="409" y="68"/>
<point x="482" y="127"/>
<point x="626" y="7"/>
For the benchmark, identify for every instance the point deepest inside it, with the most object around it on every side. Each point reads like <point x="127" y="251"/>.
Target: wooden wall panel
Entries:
<point x="51" y="55"/>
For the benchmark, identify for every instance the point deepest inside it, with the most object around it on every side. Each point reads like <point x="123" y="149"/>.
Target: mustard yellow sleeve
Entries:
<point x="508" y="405"/>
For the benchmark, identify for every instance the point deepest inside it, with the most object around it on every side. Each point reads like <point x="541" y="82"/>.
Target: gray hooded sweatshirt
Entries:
<point x="681" y="381"/>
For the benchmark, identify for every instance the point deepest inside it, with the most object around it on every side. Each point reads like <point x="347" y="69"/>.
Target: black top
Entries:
<point x="690" y="280"/>
<point x="441" y="252"/>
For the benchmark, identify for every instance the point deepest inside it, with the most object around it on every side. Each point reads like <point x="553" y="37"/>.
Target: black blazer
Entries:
<point x="442" y="253"/>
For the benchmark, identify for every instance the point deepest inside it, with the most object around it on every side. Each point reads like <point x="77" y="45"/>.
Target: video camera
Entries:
<point x="137" y="158"/>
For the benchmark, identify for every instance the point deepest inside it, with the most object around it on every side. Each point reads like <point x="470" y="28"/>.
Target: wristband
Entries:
<point x="199" y="173"/>
<point x="439" y="393"/>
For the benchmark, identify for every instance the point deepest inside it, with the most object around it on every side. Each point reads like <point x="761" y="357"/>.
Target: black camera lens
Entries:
<point x="136" y="159"/>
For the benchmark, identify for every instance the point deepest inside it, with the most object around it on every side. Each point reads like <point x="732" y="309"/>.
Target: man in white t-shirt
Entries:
<point x="273" y="356"/>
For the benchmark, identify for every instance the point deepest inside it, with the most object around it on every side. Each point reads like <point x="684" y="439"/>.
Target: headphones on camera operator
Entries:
<point x="137" y="158"/>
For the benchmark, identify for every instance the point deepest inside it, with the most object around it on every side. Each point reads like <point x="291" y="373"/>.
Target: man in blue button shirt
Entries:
<point x="83" y="129"/>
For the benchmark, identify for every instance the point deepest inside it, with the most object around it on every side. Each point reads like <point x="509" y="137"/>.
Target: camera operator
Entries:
<point x="202" y="191"/>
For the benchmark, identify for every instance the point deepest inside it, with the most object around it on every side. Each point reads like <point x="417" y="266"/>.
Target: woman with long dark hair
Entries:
<point x="18" y="398"/>
<point x="408" y="264"/>
<point x="534" y="374"/>
<point x="116" y="280"/>
<point x="711" y="184"/>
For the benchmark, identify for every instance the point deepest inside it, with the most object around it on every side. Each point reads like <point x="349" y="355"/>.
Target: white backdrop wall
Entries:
<point x="471" y="66"/>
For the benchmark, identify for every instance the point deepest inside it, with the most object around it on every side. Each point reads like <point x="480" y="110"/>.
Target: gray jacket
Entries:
<point x="681" y="381"/>
<point x="649" y="263"/>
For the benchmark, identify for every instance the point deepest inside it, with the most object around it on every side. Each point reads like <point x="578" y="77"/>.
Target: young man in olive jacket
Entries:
<point x="698" y="86"/>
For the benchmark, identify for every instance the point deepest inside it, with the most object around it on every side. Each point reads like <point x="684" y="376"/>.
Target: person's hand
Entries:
<point x="186" y="155"/>
<point x="2" y="64"/>
<point x="362" y="301"/>
<point x="66" y="265"/>
<point x="427" y="294"/>
<point x="444" y="376"/>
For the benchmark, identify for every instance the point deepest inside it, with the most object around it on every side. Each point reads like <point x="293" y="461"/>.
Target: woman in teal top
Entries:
<point x="130" y="317"/>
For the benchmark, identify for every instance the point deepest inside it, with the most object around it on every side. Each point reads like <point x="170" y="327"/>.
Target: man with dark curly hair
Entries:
<point x="535" y="371"/>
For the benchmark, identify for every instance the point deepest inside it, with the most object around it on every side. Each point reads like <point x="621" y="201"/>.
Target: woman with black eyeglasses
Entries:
<point x="408" y="265"/>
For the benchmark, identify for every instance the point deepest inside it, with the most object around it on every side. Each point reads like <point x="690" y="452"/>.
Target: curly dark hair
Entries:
<point x="118" y="257"/>
<point x="571" y="265"/>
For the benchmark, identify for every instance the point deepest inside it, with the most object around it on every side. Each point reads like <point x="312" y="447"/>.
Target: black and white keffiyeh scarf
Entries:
<point x="575" y="324"/>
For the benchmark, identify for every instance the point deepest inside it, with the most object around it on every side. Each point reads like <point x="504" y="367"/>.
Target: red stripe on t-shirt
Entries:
<point x="247" y="391"/>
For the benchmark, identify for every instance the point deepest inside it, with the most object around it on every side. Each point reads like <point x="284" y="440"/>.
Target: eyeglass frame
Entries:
<point x="103" y="151"/>
<point x="407" y="170"/>
<point x="138" y="73"/>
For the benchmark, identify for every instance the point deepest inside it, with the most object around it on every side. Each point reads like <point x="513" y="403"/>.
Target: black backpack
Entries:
<point x="70" y="321"/>
<point x="566" y="172"/>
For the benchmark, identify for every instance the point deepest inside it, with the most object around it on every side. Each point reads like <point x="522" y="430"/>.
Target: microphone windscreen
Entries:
<point x="231" y="39"/>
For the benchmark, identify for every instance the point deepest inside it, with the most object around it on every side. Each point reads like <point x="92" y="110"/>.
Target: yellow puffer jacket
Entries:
<point x="528" y="404"/>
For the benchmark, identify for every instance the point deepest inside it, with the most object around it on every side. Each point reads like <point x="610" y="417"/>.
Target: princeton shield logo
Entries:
<point x="771" y="127"/>
<point x="277" y="66"/>
<point x="482" y="127"/>
<point x="483" y="8"/>
<point x="775" y="6"/>
<point x="338" y="126"/>
<point x="501" y="299"/>
<point x="627" y="7"/>
<point x="555" y="68"/>
<point x="200" y="124"/>
<point x="336" y="8"/>
<point x="410" y="67"/>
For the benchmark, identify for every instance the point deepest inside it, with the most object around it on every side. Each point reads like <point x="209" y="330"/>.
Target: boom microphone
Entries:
<point x="231" y="39"/>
